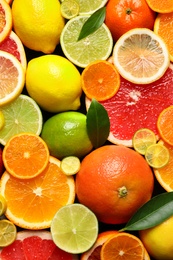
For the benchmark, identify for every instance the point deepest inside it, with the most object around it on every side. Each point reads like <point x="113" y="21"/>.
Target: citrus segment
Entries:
<point x="161" y="6"/>
<point x="33" y="203"/>
<point x="70" y="165"/>
<point x="100" y="80"/>
<point x="96" y="46"/>
<point x="90" y="6"/>
<point x="74" y="228"/>
<point x="69" y="8"/>
<point x="3" y="205"/>
<point x="25" y="155"/>
<point x="141" y="56"/>
<point x="12" y="78"/>
<point x="8" y="232"/>
<point x="5" y="20"/>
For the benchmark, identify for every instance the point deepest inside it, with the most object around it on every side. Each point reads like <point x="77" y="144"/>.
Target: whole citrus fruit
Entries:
<point x="114" y="181"/>
<point x="38" y="23"/>
<point x="158" y="240"/>
<point x="66" y="134"/>
<point x="54" y="83"/>
<point x="123" y="15"/>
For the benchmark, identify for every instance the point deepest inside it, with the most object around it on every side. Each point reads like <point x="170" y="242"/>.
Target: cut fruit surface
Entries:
<point x="5" y="20"/>
<point x="69" y="8"/>
<point x="90" y="6"/>
<point x="70" y="165"/>
<point x="161" y="6"/>
<point x="8" y="232"/>
<point x="3" y="205"/>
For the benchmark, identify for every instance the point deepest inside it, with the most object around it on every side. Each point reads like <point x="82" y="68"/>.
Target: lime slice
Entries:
<point x="21" y="115"/>
<point x="90" y="6"/>
<point x="157" y="155"/>
<point x="96" y="46"/>
<point x="74" y="228"/>
<point x="70" y="165"/>
<point x="2" y="120"/>
<point x="3" y="205"/>
<point x="142" y="139"/>
<point x="8" y="232"/>
<point x="69" y="9"/>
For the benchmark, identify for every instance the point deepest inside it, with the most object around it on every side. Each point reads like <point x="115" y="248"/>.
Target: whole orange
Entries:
<point x="124" y="15"/>
<point x="114" y="181"/>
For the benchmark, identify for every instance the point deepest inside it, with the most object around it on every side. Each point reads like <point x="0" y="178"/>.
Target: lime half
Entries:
<point x="3" y="205"/>
<point x="70" y="165"/>
<point x="96" y="46"/>
<point x="90" y="6"/>
<point x="157" y="155"/>
<point x="69" y="9"/>
<point x="8" y="232"/>
<point x="21" y="115"/>
<point x="74" y="228"/>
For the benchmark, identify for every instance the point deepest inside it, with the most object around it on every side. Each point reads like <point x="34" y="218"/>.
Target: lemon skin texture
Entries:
<point x="66" y="134"/>
<point x="38" y="23"/>
<point x="54" y="83"/>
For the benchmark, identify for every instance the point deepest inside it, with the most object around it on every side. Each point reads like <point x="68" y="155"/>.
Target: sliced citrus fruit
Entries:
<point x="69" y="9"/>
<point x="96" y="46"/>
<point x="2" y="120"/>
<point x="163" y="27"/>
<point x="142" y="139"/>
<point x="8" y="232"/>
<point x="12" y="78"/>
<point x="123" y="246"/>
<point x="5" y="20"/>
<point x="74" y="228"/>
<point x="25" y="155"/>
<point x="33" y="203"/>
<point x="100" y="80"/>
<point x="70" y="165"/>
<point x="141" y="56"/>
<point x="161" y="6"/>
<point x="157" y="155"/>
<point x="21" y="115"/>
<point x="88" y="7"/>
<point x="165" y="125"/>
<point x="3" y="205"/>
<point x="13" y="45"/>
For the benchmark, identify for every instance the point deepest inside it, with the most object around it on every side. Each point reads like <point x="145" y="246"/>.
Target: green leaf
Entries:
<point x="93" y="23"/>
<point x="98" y="124"/>
<point x="152" y="213"/>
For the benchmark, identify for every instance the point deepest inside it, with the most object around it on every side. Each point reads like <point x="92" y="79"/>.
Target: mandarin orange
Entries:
<point x="114" y="181"/>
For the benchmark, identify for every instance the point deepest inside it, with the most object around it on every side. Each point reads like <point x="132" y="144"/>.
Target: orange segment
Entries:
<point x="161" y="6"/>
<point x="33" y="203"/>
<point x="163" y="26"/>
<point x="5" y="19"/>
<point x="123" y="246"/>
<point x="25" y="155"/>
<point x="100" y="80"/>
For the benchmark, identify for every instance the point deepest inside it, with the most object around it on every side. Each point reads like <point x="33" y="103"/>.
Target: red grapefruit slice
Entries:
<point x="34" y="245"/>
<point x="137" y="106"/>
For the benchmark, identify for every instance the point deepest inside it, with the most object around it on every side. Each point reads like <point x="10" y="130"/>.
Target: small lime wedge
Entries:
<point x="8" y="232"/>
<point x="90" y="6"/>
<point x="2" y="120"/>
<point x="70" y="165"/>
<point x="69" y="9"/>
<point x="74" y="228"/>
<point x="157" y="155"/>
<point x="3" y="205"/>
<point x="142" y="139"/>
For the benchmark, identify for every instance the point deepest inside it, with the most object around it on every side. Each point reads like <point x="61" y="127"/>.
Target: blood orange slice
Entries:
<point x="137" y="106"/>
<point x="34" y="245"/>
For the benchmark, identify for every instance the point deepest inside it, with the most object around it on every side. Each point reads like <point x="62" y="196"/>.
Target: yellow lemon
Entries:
<point x="54" y="83"/>
<point x="38" y="23"/>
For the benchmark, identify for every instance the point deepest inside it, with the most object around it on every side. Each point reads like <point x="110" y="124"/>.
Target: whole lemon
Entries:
<point x="38" y="23"/>
<point x="54" y="83"/>
<point x="66" y="134"/>
<point x="158" y="240"/>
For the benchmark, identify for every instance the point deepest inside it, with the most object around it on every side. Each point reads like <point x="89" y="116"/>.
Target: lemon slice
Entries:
<point x="70" y="165"/>
<point x="3" y="205"/>
<point x="141" y="56"/>
<point x="74" y="228"/>
<point x="8" y="232"/>
<point x="142" y="139"/>
<point x="69" y="9"/>
<point x="157" y="155"/>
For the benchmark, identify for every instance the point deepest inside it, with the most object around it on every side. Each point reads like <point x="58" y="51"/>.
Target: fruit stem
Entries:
<point x="128" y="11"/>
<point x="122" y="192"/>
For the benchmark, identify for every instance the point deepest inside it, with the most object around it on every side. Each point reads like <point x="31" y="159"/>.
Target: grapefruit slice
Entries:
<point x="34" y="245"/>
<point x="137" y="106"/>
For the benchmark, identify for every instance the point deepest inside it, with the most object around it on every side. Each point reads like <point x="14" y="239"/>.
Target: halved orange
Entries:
<point x="33" y="203"/>
<point x="161" y="6"/>
<point x="25" y="155"/>
<point x="5" y="20"/>
<point x="100" y="80"/>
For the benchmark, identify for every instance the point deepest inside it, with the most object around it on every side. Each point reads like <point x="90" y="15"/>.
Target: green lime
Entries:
<point x="8" y="232"/>
<point x="21" y="115"/>
<point x="96" y="46"/>
<point x="88" y="7"/>
<point x="69" y="9"/>
<point x="70" y="165"/>
<point x="3" y="205"/>
<point x="2" y="120"/>
<point x="157" y="155"/>
<point x="74" y="228"/>
<point x="66" y="135"/>
<point x="142" y="139"/>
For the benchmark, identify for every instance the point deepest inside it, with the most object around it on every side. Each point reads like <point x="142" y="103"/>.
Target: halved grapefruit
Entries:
<point x="137" y="106"/>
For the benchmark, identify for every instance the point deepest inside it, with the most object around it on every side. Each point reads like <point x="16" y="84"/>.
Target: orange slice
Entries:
<point x="163" y="26"/>
<point x="33" y="203"/>
<point x="100" y="80"/>
<point x="12" y="78"/>
<point x="161" y="6"/>
<point x="25" y="155"/>
<point x="5" y="20"/>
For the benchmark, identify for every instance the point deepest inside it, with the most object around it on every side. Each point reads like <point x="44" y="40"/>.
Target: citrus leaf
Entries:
<point x="98" y="124"/>
<point x="152" y="213"/>
<point x="93" y="23"/>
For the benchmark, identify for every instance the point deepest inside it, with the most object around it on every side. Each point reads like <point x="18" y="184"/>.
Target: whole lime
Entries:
<point x="66" y="134"/>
